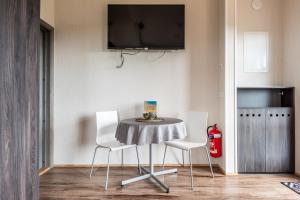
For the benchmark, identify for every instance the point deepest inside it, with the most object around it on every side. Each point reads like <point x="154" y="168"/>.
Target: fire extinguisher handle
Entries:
<point x="208" y="129"/>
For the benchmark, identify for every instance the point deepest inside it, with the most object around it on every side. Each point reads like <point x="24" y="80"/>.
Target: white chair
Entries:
<point x="196" y="123"/>
<point x="107" y="123"/>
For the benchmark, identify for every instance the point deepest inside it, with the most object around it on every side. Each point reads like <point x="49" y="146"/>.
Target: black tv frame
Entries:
<point x="147" y="48"/>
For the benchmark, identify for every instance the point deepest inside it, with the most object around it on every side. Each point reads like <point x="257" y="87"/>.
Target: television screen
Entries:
<point x="157" y="27"/>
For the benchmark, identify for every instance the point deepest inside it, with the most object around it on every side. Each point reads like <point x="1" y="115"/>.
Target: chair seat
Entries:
<point x="116" y="146"/>
<point x="185" y="145"/>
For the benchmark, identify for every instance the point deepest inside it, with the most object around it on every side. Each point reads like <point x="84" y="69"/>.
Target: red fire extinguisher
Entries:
<point x="215" y="141"/>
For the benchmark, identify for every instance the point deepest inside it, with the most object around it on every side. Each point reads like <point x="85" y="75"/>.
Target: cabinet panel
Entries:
<point x="251" y="125"/>
<point x="279" y="140"/>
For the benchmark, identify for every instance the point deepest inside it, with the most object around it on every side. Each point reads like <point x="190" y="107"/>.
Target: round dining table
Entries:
<point x="132" y="131"/>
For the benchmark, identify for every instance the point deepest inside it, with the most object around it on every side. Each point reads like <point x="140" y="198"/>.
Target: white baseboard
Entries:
<point x="126" y="165"/>
<point x="44" y="171"/>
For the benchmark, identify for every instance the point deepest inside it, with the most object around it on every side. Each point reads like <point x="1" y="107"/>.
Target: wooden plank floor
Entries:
<point x="74" y="183"/>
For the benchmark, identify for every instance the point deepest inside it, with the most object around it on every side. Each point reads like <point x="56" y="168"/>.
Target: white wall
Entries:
<point x="47" y="11"/>
<point x="221" y="76"/>
<point x="291" y="61"/>
<point x="86" y="79"/>
<point x="268" y="19"/>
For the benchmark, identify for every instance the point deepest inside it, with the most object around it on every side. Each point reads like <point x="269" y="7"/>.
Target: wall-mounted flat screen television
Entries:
<point x="153" y="27"/>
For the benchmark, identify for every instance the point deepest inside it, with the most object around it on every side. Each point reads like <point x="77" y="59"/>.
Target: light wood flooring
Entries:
<point x="74" y="183"/>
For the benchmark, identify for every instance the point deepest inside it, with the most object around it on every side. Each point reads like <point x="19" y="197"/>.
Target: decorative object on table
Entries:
<point x="293" y="186"/>
<point x="146" y="115"/>
<point x="149" y="116"/>
<point x="152" y="116"/>
<point x="149" y="120"/>
<point x="150" y="112"/>
<point x="150" y="107"/>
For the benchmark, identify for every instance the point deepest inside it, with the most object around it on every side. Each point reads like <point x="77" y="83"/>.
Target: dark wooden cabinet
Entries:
<point x="265" y="127"/>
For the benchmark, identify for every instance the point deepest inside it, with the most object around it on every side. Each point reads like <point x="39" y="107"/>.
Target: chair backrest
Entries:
<point x="107" y="123"/>
<point x="196" y="125"/>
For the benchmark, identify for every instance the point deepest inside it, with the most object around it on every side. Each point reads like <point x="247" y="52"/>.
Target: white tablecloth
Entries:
<point x="130" y="131"/>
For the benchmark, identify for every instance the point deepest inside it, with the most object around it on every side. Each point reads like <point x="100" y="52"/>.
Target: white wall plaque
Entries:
<point x="256" y="48"/>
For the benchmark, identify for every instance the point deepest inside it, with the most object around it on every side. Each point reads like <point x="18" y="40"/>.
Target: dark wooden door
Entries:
<point x="19" y="33"/>
<point x="279" y="148"/>
<point x="251" y="130"/>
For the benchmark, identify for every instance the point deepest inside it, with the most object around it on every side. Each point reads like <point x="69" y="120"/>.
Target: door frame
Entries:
<point x="50" y="62"/>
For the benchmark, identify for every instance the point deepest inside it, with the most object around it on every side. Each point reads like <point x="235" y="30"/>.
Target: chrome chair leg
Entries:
<point x="163" y="164"/>
<point x="122" y="151"/>
<point x="138" y="159"/>
<point x="191" y="169"/>
<point x="209" y="160"/>
<point x="95" y="151"/>
<point x="107" y="172"/>
<point x="182" y="151"/>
